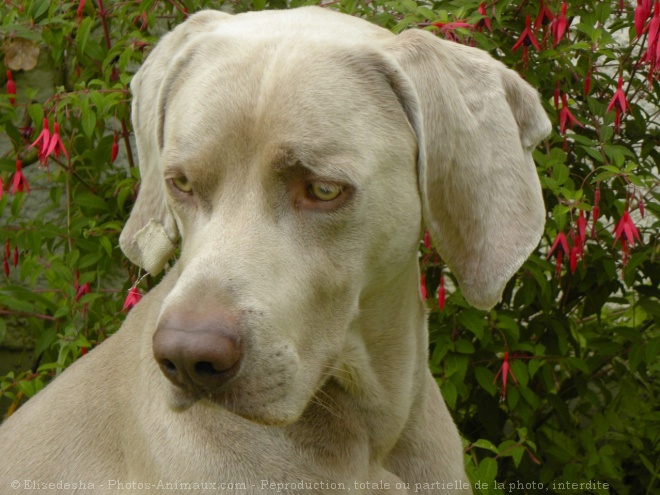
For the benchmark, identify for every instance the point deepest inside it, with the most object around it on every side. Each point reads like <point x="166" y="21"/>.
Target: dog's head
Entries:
<point x="298" y="155"/>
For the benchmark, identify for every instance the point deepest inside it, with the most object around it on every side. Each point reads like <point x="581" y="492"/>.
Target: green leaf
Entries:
<point x="487" y="470"/>
<point x="474" y="321"/>
<point x="482" y="443"/>
<point x="87" y="118"/>
<point x="82" y="36"/>
<point x="90" y="200"/>
<point x="486" y="379"/>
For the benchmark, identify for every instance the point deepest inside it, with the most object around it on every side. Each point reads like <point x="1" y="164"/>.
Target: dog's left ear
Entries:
<point x="477" y="123"/>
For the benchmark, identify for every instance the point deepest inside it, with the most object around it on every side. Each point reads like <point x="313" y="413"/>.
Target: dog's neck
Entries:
<point x="383" y="366"/>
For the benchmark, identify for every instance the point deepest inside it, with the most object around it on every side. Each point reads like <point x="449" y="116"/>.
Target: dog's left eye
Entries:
<point x="324" y="191"/>
<point x="181" y="184"/>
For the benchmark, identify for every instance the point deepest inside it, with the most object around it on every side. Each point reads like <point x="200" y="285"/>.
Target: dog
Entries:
<point x="296" y="157"/>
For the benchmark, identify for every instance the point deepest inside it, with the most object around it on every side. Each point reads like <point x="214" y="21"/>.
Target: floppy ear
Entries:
<point x="477" y="123"/>
<point x="150" y="234"/>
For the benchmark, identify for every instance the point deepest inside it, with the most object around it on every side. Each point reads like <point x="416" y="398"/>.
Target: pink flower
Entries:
<point x="652" y="54"/>
<point x="5" y="258"/>
<point x="448" y="29"/>
<point x="560" y="24"/>
<point x="15" y="256"/>
<point x="43" y="141"/>
<point x="573" y="258"/>
<point x="115" y="150"/>
<point x="560" y="242"/>
<point x="132" y="299"/>
<point x="486" y="20"/>
<point x="441" y="294"/>
<point x="527" y="38"/>
<point x="641" y="14"/>
<point x="422" y="287"/>
<point x="544" y="17"/>
<point x="627" y="232"/>
<point x="18" y="182"/>
<point x="582" y="229"/>
<point x="565" y="116"/>
<point x="81" y="9"/>
<point x="619" y="104"/>
<point x="82" y="290"/>
<point x="2" y="188"/>
<point x="11" y="88"/>
<point x="587" y="83"/>
<point x="505" y="371"/>
<point x="55" y="144"/>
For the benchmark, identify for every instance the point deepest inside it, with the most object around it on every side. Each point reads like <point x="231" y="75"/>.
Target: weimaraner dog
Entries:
<point x="298" y="156"/>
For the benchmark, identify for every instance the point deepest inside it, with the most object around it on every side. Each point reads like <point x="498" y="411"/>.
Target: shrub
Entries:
<point x="555" y="385"/>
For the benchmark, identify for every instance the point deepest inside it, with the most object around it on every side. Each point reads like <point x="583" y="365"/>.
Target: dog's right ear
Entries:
<point x="150" y="234"/>
<point x="477" y="123"/>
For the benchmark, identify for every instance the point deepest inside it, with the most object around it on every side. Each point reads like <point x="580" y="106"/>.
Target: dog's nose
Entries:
<point x="200" y="354"/>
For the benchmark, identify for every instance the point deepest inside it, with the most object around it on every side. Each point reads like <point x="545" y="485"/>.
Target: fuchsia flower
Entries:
<point x="441" y="294"/>
<point x="595" y="212"/>
<point x="2" y="188"/>
<point x="504" y="371"/>
<point x="427" y="240"/>
<point x="82" y="290"/>
<point x="486" y="20"/>
<point x="627" y="232"/>
<point x="619" y="103"/>
<point x="544" y="17"/>
<point x="115" y="150"/>
<point x="5" y="258"/>
<point x="81" y="9"/>
<point x="448" y="29"/>
<point x="132" y="299"/>
<point x="560" y="242"/>
<point x="642" y="12"/>
<point x="422" y="287"/>
<point x="55" y="145"/>
<point x="565" y="116"/>
<point x="559" y="25"/>
<point x="652" y="54"/>
<point x="18" y="182"/>
<point x="43" y="141"/>
<point x="11" y="88"/>
<point x="582" y="229"/>
<point x="587" y="83"/>
<point x="527" y="38"/>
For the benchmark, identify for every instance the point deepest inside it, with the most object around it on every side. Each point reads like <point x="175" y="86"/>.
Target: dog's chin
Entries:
<point x="267" y="414"/>
<point x="179" y="400"/>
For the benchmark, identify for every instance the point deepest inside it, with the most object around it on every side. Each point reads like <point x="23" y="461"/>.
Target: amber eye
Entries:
<point x="324" y="191"/>
<point x="182" y="184"/>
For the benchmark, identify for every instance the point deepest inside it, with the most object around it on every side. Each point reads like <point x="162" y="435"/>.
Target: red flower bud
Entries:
<point x="11" y="88"/>
<point x="115" y="150"/>
<point x="441" y="294"/>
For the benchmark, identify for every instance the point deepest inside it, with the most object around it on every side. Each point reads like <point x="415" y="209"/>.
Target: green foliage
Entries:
<point x="581" y="338"/>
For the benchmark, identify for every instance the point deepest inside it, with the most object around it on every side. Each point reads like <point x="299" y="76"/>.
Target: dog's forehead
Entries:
<point x="289" y="97"/>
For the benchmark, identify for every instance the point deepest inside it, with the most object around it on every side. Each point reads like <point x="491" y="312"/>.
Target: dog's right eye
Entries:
<point x="181" y="184"/>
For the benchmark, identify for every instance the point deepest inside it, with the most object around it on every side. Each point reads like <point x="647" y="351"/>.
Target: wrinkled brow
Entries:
<point x="325" y="162"/>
